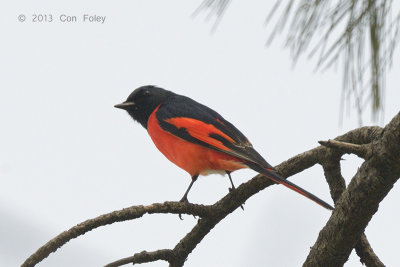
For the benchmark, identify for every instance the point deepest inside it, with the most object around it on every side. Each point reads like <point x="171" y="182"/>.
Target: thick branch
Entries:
<point x="360" y="201"/>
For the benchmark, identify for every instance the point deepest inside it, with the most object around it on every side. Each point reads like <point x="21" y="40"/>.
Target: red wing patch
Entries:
<point x="201" y="131"/>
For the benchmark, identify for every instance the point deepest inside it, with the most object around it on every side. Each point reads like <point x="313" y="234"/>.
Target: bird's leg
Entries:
<point x="233" y="186"/>
<point x="184" y="198"/>
<point x="230" y="179"/>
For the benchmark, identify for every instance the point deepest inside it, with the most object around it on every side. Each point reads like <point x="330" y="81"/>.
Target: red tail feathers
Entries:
<point x="271" y="174"/>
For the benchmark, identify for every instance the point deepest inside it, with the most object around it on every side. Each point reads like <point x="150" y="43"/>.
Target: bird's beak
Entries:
<point x="125" y="105"/>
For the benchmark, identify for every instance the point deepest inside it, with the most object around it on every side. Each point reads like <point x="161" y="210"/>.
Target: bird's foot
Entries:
<point x="186" y="201"/>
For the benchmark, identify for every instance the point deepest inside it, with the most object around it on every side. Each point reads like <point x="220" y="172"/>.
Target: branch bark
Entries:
<point x="337" y="185"/>
<point x="360" y="201"/>
<point x="366" y="254"/>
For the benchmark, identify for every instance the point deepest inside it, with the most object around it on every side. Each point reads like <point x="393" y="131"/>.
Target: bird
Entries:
<point x="198" y="139"/>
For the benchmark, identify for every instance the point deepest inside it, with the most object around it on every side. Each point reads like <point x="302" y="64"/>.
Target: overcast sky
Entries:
<point x="66" y="155"/>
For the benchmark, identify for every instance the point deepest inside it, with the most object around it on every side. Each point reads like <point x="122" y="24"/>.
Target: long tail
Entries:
<point x="270" y="173"/>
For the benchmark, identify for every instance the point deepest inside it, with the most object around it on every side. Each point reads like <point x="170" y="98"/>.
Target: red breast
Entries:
<point x="193" y="158"/>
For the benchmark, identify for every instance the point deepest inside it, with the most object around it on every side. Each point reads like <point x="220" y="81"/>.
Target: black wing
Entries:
<point x="196" y="123"/>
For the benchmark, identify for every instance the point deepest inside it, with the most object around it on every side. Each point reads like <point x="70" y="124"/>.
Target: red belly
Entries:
<point x="193" y="158"/>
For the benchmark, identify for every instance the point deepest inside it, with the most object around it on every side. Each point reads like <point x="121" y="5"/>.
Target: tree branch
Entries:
<point x="360" y="201"/>
<point x="337" y="185"/>
<point x="130" y="213"/>
<point x="143" y="257"/>
<point x="359" y="150"/>
<point x="366" y="254"/>
<point x="333" y="175"/>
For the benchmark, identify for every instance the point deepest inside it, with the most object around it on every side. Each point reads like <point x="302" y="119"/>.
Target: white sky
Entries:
<point x="66" y="155"/>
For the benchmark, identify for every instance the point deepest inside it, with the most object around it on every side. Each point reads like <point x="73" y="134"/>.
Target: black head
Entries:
<point x="143" y="101"/>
